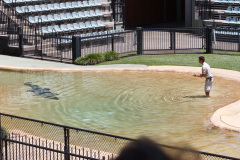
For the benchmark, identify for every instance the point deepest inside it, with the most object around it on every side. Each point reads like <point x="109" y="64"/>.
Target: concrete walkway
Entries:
<point x="227" y="117"/>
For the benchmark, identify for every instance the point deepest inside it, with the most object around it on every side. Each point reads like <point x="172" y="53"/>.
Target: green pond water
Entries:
<point x="165" y="106"/>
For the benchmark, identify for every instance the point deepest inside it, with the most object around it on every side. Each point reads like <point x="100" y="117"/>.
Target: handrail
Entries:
<point x="15" y="12"/>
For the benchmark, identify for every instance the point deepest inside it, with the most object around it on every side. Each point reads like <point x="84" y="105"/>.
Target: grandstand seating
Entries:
<point x="65" y="17"/>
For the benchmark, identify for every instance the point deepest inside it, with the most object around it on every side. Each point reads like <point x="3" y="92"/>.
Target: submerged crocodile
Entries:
<point x="43" y="92"/>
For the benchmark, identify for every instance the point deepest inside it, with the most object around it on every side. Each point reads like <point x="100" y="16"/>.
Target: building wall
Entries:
<point x="142" y="12"/>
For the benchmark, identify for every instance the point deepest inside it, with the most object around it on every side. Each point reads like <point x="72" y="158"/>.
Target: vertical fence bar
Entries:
<point x="209" y="39"/>
<point x="21" y="50"/>
<point x="139" y="40"/>
<point x="238" y="41"/>
<point x="76" y="47"/>
<point x="113" y="41"/>
<point x="1" y="142"/>
<point x="66" y="143"/>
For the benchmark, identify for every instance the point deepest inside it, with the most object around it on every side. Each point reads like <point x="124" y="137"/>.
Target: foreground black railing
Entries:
<point x="31" y="139"/>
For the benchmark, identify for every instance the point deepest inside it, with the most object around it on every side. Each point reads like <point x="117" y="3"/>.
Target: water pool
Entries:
<point x="166" y="106"/>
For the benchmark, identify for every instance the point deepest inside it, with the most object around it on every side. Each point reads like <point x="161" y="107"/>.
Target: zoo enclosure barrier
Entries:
<point x="142" y="41"/>
<point x="31" y="139"/>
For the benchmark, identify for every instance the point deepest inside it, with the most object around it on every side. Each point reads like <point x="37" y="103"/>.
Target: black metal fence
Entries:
<point x="30" y="139"/>
<point x="142" y="41"/>
<point x="27" y="27"/>
<point x="226" y="39"/>
<point x="10" y="28"/>
<point x="122" y="42"/>
<point x="173" y="39"/>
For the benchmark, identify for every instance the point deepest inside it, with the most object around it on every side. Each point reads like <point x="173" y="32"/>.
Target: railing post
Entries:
<point x="35" y="41"/>
<point x="76" y="48"/>
<point x="66" y="143"/>
<point x="238" y="41"/>
<point x="1" y="141"/>
<point x="139" y="40"/>
<point x="209" y="39"/>
<point x="113" y="41"/>
<point x="172" y="39"/>
<point x="20" y="34"/>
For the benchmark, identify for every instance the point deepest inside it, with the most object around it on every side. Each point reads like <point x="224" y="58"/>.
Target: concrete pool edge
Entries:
<point x="225" y="117"/>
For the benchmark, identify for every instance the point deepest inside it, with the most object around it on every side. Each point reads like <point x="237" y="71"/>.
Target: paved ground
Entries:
<point x="227" y="117"/>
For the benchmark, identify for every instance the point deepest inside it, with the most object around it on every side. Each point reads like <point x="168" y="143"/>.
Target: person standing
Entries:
<point x="207" y="73"/>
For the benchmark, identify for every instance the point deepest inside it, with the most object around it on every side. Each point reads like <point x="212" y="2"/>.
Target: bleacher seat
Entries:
<point x="94" y="24"/>
<point x="57" y="17"/>
<point x="63" y="16"/>
<point x="80" y="4"/>
<point x="75" y="15"/>
<point x="81" y="14"/>
<point x="69" y="16"/>
<point x="229" y="9"/>
<point x="93" y="14"/>
<point x="37" y="19"/>
<point x="97" y="3"/>
<point x="63" y="6"/>
<point x="64" y="28"/>
<point x="44" y="18"/>
<point x="75" y="5"/>
<point x="31" y="19"/>
<point x="70" y="6"/>
<point x="99" y="22"/>
<point x="86" y="4"/>
<point x="38" y="8"/>
<point x="57" y="29"/>
<point x="19" y="10"/>
<point x="31" y="9"/>
<point x="82" y="25"/>
<point x="88" y="25"/>
<point x="50" y="7"/>
<point x="87" y="14"/>
<point x="56" y="6"/>
<point x="98" y="12"/>
<point x="50" y="29"/>
<point x="70" y="27"/>
<point x="44" y="7"/>
<point x="76" y="26"/>
<point x="236" y="10"/>
<point x="50" y="18"/>
<point x="45" y="30"/>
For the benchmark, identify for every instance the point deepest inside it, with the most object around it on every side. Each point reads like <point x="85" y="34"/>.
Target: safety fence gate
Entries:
<point x="174" y="40"/>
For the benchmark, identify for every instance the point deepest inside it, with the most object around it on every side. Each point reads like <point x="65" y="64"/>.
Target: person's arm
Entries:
<point x="199" y="75"/>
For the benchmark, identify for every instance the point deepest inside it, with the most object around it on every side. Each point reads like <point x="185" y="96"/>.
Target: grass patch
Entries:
<point x="215" y="61"/>
<point x="127" y="54"/>
<point x="230" y="53"/>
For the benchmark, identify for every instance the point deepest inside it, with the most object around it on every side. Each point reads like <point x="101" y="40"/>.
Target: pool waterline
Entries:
<point x="154" y="69"/>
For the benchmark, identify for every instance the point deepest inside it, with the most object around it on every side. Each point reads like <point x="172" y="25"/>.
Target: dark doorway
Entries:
<point x="154" y="12"/>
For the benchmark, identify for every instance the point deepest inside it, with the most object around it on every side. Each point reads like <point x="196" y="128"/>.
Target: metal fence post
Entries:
<point x="172" y="40"/>
<point x="76" y="48"/>
<point x="35" y="41"/>
<point x="113" y="41"/>
<point x="1" y="142"/>
<point x="66" y="143"/>
<point x="209" y="39"/>
<point x="139" y="40"/>
<point x="20" y="34"/>
<point x="238" y="41"/>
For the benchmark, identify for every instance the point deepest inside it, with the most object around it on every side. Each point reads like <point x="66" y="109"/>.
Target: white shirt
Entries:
<point x="206" y="70"/>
